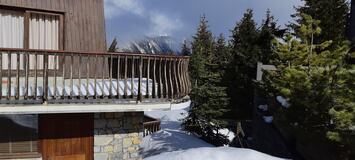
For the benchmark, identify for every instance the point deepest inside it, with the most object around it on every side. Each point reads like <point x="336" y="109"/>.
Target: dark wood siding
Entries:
<point x="84" y="22"/>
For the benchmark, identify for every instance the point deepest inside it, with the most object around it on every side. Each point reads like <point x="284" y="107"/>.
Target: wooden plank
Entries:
<point x="132" y="76"/>
<point x="63" y="75"/>
<point x="140" y="96"/>
<point x="17" y="76"/>
<point x="36" y="76"/>
<point x="171" y="79"/>
<point x="118" y="76"/>
<point x="79" y="74"/>
<point x="9" y="75"/>
<point x="55" y="75"/>
<point x="27" y="66"/>
<point x="148" y="79"/>
<point x="87" y="76"/>
<point x="176" y="84"/>
<point x="125" y="77"/>
<point x="110" y="69"/>
<point x="166" y="79"/>
<point x="160" y="85"/>
<point x="154" y="95"/>
<point x="45" y="77"/>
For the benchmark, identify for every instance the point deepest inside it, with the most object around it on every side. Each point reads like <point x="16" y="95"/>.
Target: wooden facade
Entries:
<point x="84" y="22"/>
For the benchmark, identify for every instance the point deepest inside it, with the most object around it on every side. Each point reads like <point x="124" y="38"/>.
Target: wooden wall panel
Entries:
<point x="84" y="21"/>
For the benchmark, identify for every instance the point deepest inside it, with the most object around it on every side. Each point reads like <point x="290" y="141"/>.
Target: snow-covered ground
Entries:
<point x="173" y="143"/>
<point x="171" y="137"/>
<point x="215" y="153"/>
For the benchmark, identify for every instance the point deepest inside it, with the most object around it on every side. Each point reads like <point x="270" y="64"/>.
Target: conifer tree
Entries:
<point x="245" y="52"/>
<point x="333" y="16"/>
<point x="268" y="32"/>
<point x="319" y="85"/>
<point x="185" y="49"/>
<point x="222" y="52"/>
<point x="208" y="95"/>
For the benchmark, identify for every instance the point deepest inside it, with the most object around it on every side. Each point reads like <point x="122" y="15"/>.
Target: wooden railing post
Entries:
<point x="140" y="97"/>
<point x="45" y="77"/>
<point x="18" y="76"/>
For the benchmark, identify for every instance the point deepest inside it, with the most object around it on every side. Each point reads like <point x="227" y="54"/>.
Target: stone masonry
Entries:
<point x="117" y="135"/>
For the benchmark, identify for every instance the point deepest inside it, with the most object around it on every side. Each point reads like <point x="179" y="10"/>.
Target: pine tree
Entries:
<point x="208" y="95"/>
<point x="268" y="32"/>
<point x="319" y="85"/>
<point x="333" y="16"/>
<point x="223" y="53"/>
<point x="185" y="49"/>
<point x="246" y="52"/>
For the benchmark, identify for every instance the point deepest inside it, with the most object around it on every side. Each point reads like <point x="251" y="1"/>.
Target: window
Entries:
<point x="18" y="134"/>
<point x="30" y="30"/>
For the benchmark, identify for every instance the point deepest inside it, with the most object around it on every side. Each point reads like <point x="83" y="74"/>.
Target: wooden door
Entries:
<point x="66" y="136"/>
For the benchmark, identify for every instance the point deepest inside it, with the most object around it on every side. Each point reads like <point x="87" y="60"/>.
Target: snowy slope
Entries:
<point x="172" y="143"/>
<point x="213" y="153"/>
<point x="171" y="137"/>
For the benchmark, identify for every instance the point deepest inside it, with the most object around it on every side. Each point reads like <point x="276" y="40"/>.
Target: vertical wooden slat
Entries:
<point x="45" y="76"/>
<point x="187" y="77"/>
<point x="180" y="78"/>
<point x="154" y="78"/>
<point x="132" y="77"/>
<point x="125" y="77"/>
<point x="79" y="74"/>
<point x="9" y="76"/>
<point x="18" y="76"/>
<point x="103" y="76"/>
<point x="171" y="79"/>
<point x="63" y="76"/>
<point x="140" y="96"/>
<point x="35" y="86"/>
<point x="166" y="78"/>
<point x="175" y="63"/>
<point x="71" y="75"/>
<point x="27" y="66"/>
<point x="55" y="75"/>
<point x="160" y="85"/>
<point x="87" y="76"/>
<point x="95" y="77"/>
<point x="148" y="79"/>
<point x="111" y="68"/>
<point x="118" y="75"/>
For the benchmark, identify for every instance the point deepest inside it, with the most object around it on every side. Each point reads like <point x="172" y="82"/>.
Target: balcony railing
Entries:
<point x="44" y="76"/>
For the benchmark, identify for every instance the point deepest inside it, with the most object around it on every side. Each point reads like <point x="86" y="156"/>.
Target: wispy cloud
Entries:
<point x="115" y="8"/>
<point x="159" y="23"/>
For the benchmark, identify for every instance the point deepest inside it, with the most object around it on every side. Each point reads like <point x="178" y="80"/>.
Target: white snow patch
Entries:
<point x="209" y="153"/>
<point x="268" y="119"/>
<point x="283" y="101"/>
<point x="226" y="132"/>
<point x="263" y="107"/>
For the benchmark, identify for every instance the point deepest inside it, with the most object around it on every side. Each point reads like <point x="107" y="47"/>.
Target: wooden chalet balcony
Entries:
<point x="60" y="77"/>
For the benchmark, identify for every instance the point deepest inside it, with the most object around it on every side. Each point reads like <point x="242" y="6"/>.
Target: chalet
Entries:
<point x="63" y="96"/>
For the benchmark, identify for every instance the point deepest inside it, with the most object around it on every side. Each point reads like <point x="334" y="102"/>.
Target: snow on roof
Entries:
<point x="214" y="153"/>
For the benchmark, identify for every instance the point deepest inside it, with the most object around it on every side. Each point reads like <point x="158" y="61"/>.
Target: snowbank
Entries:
<point x="171" y="137"/>
<point x="209" y="153"/>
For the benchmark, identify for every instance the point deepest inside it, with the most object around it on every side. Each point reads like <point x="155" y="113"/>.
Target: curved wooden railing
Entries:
<point x="150" y="125"/>
<point x="47" y="76"/>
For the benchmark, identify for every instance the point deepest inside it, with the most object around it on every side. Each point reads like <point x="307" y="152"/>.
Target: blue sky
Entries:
<point x="133" y="19"/>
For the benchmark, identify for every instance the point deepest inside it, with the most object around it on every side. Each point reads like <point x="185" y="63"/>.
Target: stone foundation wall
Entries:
<point x="117" y="135"/>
